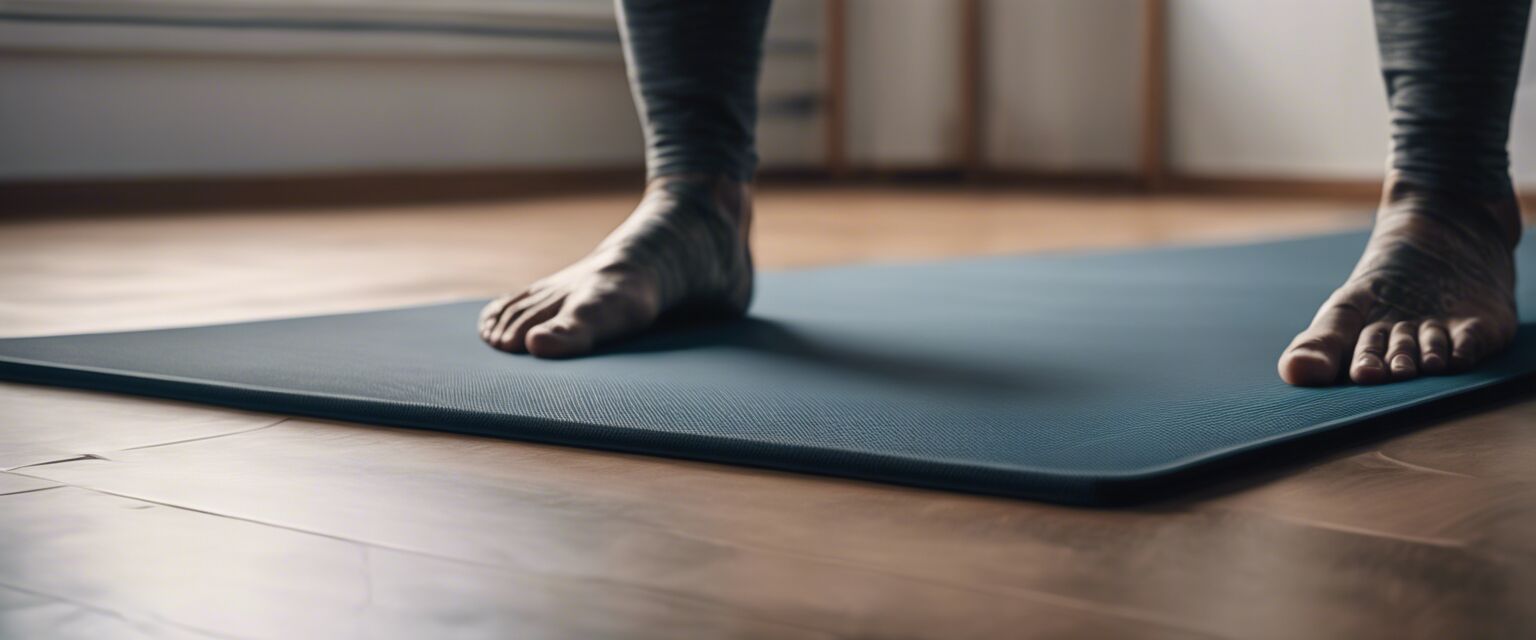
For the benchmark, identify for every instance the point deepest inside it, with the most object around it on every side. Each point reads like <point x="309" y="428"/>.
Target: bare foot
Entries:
<point x="1433" y="293"/>
<point x="683" y="250"/>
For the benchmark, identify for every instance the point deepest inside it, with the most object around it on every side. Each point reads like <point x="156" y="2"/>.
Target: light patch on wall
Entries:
<point x="904" y="102"/>
<point x="1063" y="84"/>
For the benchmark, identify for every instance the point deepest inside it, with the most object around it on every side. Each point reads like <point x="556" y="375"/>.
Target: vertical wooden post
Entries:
<point x="835" y="78"/>
<point x="1153" y="170"/>
<point x="972" y="88"/>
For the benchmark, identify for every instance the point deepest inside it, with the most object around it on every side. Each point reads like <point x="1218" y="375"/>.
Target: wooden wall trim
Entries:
<point x="835" y="79"/>
<point x="1365" y="189"/>
<point x="404" y="188"/>
<point x="207" y="193"/>
<point x="27" y="198"/>
<point x="973" y="94"/>
<point x="1154" y="95"/>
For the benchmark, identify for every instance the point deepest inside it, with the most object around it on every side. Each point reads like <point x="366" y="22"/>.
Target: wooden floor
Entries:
<point x="125" y="517"/>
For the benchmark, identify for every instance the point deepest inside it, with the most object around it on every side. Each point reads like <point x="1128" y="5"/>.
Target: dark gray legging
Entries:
<point x="1451" y="67"/>
<point x="693" y="66"/>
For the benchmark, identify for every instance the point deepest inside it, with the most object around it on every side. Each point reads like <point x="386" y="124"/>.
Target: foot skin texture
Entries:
<point x="683" y="251"/>
<point x="1433" y="294"/>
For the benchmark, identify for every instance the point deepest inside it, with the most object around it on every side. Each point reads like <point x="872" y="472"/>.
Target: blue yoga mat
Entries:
<point x="1074" y="378"/>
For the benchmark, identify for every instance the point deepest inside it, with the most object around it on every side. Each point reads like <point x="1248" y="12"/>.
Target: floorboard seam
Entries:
<point x="97" y="456"/>
<point x="1438" y="543"/>
<point x="34" y="490"/>
<point x="83" y="456"/>
<point x="1051" y="599"/>
<point x="208" y="437"/>
<point x="1069" y="602"/>
<point x="107" y="611"/>
<point x="544" y="576"/>
<point x="1419" y="467"/>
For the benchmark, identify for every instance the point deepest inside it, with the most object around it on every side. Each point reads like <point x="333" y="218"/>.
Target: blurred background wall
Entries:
<point x="107" y="89"/>
<point x="223" y="87"/>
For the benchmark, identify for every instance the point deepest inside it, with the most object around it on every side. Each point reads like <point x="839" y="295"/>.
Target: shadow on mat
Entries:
<point x="883" y="363"/>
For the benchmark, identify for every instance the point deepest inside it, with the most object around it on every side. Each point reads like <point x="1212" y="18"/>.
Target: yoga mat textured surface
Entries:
<point x="1063" y="377"/>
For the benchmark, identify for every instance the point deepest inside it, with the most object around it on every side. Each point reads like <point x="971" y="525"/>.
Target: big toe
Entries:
<point x="1309" y="367"/>
<point x="560" y="339"/>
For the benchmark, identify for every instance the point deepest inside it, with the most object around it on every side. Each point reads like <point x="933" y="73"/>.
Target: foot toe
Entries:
<point x="1469" y="340"/>
<point x="512" y="338"/>
<point x="559" y="339"/>
<point x="1403" y="351"/>
<point x="1309" y="367"/>
<point x="1369" y="365"/>
<point x="490" y="313"/>
<point x="1369" y="369"/>
<point x="594" y="315"/>
<point x="1434" y="347"/>
<point x="1317" y="355"/>
<point x="506" y="317"/>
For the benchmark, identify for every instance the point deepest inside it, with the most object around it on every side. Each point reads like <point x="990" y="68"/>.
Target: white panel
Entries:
<point x="1522" y="135"/>
<point x="789" y="124"/>
<point x="94" y="115"/>
<point x="376" y="101"/>
<point x="1275" y="89"/>
<point x="1292" y="89"/>
<point x="903" y="89"/>
<point x="1063" y="84"/>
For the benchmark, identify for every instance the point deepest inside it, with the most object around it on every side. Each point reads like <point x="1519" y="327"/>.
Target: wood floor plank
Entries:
<point x="146" y="562"/>
<point x="1372" y="494"/>
<point x="694" y="527"/>
<point x="39" y="425"/>
<point x="1497" y="444"/>
<point x="27" y="614"/>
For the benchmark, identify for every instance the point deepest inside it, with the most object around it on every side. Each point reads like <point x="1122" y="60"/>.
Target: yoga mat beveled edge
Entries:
<point x="1098" y="489"/>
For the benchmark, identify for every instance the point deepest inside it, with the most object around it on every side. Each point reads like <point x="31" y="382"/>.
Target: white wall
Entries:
<point x="1289" y="89"/>
<point x="114" y="101"/>
<point x="1257" y="88"/>
<point x="199" y="115"/>
<point x="1063" y="84"/>
<point x="903" y="91"/>
<point x="1262" y="88"/>
<point x="128" y="101"/>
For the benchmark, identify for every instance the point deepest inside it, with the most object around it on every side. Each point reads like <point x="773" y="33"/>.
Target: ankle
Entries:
<point x="1491" y="218"/>
<point x="725" y="196"/>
